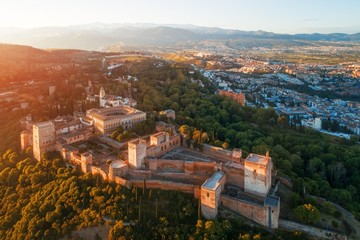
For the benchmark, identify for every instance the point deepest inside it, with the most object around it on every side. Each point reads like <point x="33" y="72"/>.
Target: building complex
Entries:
<point x="218" y="177"/>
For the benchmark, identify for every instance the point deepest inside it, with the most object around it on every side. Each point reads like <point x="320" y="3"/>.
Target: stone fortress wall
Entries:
<point x="216" y="176"/>
<point x="198" y="174"/>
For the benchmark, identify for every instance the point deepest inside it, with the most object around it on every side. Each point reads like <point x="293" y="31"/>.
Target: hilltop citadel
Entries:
<point x="162" y="160"/>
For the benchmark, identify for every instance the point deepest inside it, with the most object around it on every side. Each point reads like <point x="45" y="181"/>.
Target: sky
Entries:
<point x="280" y="16"/>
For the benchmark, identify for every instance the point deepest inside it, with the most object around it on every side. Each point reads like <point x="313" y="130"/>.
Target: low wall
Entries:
<point x="257" y="213"/>
<point x="182" y="177"/>
<point x="76" y="159"/>
<point x="97" y="170"/>
<point x="285" y="181"/>
<point x="220" y="153"/>
<point x="122" y="181"/>
<point x="139" y="174"/>
<point x="165" y="185"/>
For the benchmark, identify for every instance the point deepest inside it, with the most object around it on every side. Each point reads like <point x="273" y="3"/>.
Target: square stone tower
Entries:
<point x="137" y="152"/>
<point x="210" y="194"/>
<point x="257" y="174"/>
<point x="43" y="138"/>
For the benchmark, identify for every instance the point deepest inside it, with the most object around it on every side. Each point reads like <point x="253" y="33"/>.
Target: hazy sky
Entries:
<point x="282" y="16"/>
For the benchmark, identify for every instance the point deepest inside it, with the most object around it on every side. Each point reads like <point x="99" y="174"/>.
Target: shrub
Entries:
<point x="334" y="224"/>
<point x="307" y="213"/>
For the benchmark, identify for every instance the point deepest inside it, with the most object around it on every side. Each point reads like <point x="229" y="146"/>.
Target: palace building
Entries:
<point x="64" y="130"/>
<point x="107" y="120"/>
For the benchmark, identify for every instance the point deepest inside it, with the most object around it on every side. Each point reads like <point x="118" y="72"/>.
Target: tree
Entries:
<point x="307" y="213"/>
<point x="204" y="137"/>
<point x="183" y="129"/>
<point x="225" y="145"/>
<point x="328" y="207"/>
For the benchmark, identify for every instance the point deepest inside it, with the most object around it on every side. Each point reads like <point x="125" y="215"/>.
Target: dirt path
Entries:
<point x="351" y="221"/>
<point x="312" y="231"/>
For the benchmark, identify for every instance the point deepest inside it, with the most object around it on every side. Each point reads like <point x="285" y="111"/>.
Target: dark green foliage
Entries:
<point x="307" y="213"/>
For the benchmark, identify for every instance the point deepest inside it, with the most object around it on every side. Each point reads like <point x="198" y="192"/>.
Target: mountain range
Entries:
<point x="100" y="36"/>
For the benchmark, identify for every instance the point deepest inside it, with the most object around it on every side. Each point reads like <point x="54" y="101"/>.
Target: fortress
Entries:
<point x="218" y="177"/>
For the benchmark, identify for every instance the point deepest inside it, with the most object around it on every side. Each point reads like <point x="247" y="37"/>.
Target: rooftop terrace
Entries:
<point x="213" y="182"/>
<point x="255" y="158"/>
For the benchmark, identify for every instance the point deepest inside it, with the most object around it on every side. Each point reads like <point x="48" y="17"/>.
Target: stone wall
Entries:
<point x="165" y="185"/>
<point x="220" y="153"/>
<point x="189" y="167"/>
<point x="208" y="212"/>
<point x="76" y="159"/>
<point x="234" y="175"/>
<point x="181" y="177"/>
<point x="139" y="174"/>
<point x="204" y="167"/>
<point x="117" y="171"/>
<point x="255" y="212"/>
<point x="197" y="192"/>
<point x="164" y="147"/>
<point x="285" y="181"/>
<point x="180" y="166"/>
<point x="122" y="181"/>
<point x="97" y="170"/>
<point x="166" y="165"/>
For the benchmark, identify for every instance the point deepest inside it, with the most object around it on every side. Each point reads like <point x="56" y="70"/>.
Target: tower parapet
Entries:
<point x="236" y="155"/>
<point x="43" y="138"/>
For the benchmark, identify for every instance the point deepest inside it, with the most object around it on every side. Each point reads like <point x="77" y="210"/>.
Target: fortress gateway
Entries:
<point x="219" y="178"/>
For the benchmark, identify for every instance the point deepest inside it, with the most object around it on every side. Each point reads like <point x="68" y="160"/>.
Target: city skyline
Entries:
<point x="278" y="16"/>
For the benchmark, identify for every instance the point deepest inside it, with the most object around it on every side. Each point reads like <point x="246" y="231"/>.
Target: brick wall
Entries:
<point x="257" y="213"/>
<point x="234" y="175"/>
<point x="169" y="165"/>
<point x="97" y="170"/>
<point x="122" y="181"/>
<point x="164" y="185"/>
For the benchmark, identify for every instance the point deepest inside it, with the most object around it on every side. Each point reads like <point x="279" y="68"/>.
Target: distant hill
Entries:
<point x="99" y="36"/>
<point x="23" y="63"/>
<point x="17" y="52"/>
